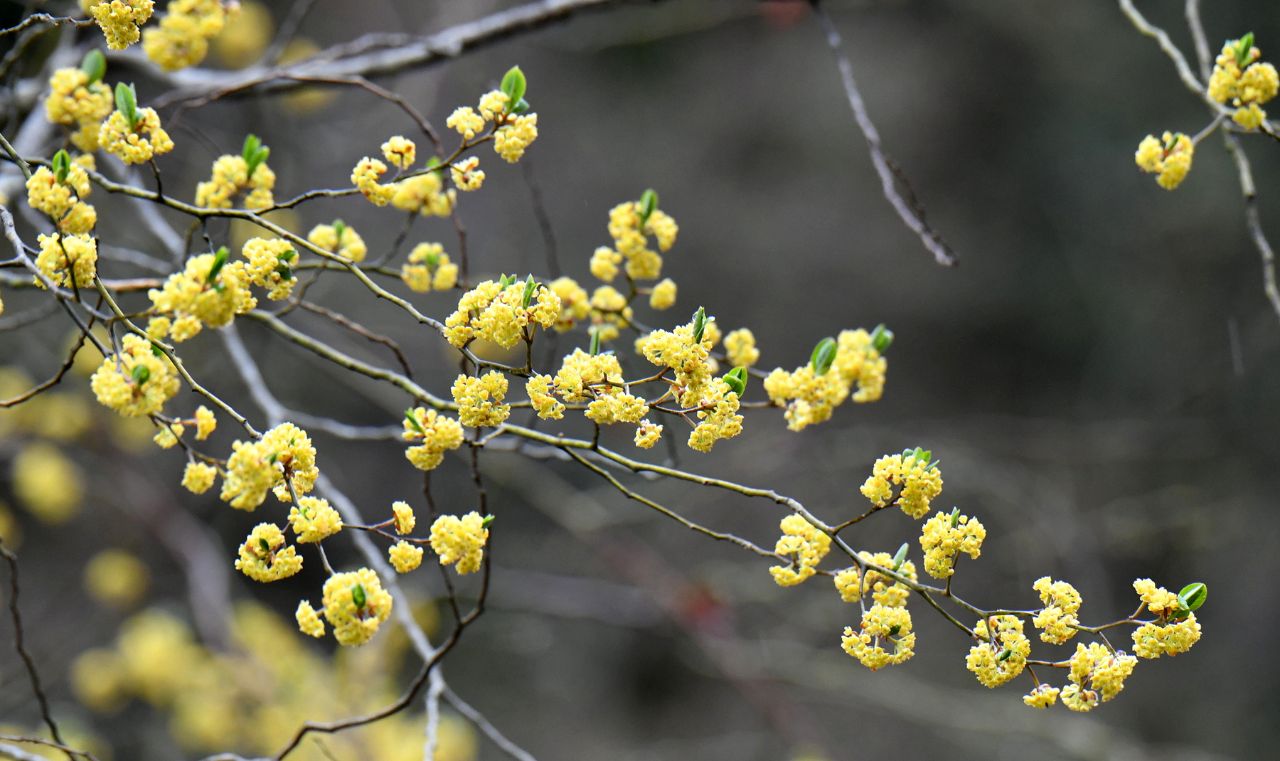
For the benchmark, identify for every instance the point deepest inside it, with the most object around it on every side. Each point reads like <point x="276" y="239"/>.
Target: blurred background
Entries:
<point x="1098" y="377"/>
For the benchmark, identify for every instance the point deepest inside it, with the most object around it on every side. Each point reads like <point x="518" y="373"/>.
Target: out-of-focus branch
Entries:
<point x="908" y="208"/>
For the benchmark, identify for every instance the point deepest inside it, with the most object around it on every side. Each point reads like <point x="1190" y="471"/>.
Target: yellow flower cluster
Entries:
<point x="575" y="305"/>
<point x="631" y="229"/>
<point x="663" y="295"/>
<point x="68" y="260"/>
<point x="74" y="101"/>
<point x="182" y="38"/>
<point x="580" y="372"/>
<point x="284" y="452"/>
<point x="919" y="481"/>
<point x="435" y="434"/>
<point x="944" y="537"/>
<point x="460" y="540"/>
<point x="365" y="177"/>
<point x="881" y="625"/>
<point x="422" y="194"/>
<point x="885" y="590"/>
<point x="480" y="399"/>
<point x="1097" y="675"/>
<point x="648" y="433"/>
<point x="690" y="359"/>
<point x="400" y="151"/>
<point x="805" y="543"/>
<point x="402" y="518"/>
<point x="264" y="556"/>
<point x="1002" y="651"/>
<point x="1057" y="620"/>
<point x="501" y="313"/>
<point x="514" y="137"/>
<point x="609" y="312"/>
<point x="119" y="19"/>
<point x="1042" y="696"/>
<point x="136" y="144"/>
<point x="429" y="269"/>
<point x="718" y="416"/>
<point x="613" y="405"/>
<point x="1241" y="79"/>
<point x="1169" y="158"/>
<point x="513" y="133"/>
<point x="206" y="423"/>
<point x="810" y="396"/>
<point x="740" y="348"/>
<point x="467" y="175"/>
<point x="339" y="239"/>
<point x="308" y="619"/>
<point x="229" y="177"/>
<point x="209" y="291"/>
<point x="355" y="605"/>
<point x="198" y="477"/>
<point x="539" y="389"/>
<point x="1175" y="632"/>
<point x="62" y="201"/>
<point x="404" y="557"/>
<point x="314" y="519"/>
<point x="1160" y="601"/>
<point x="135" y="381"/>
<point x="268" y="265"/>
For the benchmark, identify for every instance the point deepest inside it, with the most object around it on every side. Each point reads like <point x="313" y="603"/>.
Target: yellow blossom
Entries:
<point x="1154" y="640"/>
<point x="429" y="269"/>
<point x="74" y="101"/>
<point x="881" y="626"/>
<point x="513" y="138"/>
<point x="422" y="194"/>
<point x="70" y="261"/>
<point x="501" y="313"/>
<point x="256" y="467"/>
<point x="604" y="264"/>
<point x="648" y="433"/>
<point x="480" y="399"/>
<point x="433" y="433"/>
<point x="135" y="144"/>
<point x="805" y="543"/>
<point x="182" y="37"/>
<point x="575" y="305"/>
<point x="120" y="19"/>
<point x="460" y="540"/>
<point x="198" y="477"/>
<point x="403" y="518"/>
<point x="209" y="291"/>
<point x="944" y="537"/>
<point x="663" y="295"/>
<point x="1000" y="655"/>
<point x="263" y="556"/>
<point x="1246" y="88"/>
<point x="467" y="175"/>
<point x="1042" y="696"/>
<point x="740" y="348"/>
<point x="1097" y="676"/>
<point x="308" y="619"/>
<point x="918" y="482"/>
<point x="404" y="556"/>
<point x="539" y="387"/>
<point x="168" y="436"/>
<point x="718" y="416"/>
<point x="365" y="177"/>
<point x="466" y="122"/>
<point x="135" y="381"/>
<point x="400" y="152"/>
<point x="1169" y="158"/>
<point x="268" y="265"/>
<point x="886" y="590"/>
<point x="62" y="201"/>
<point x="314" y="520"/>
<point x="355" y="605"/>
<point x="1057" y="619"/>
<point x="206" y="423"/>
<point x="230" y="177"/>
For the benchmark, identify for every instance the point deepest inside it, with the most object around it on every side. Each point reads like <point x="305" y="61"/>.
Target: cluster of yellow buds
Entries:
<point x="1057" y="620"/>
<point x="339" y="239"/>
<point x="911" y="480"/>
<point x="1243" y="80"/>
<point x="67" y="260"/>
<point x="433" y="434"/>
<point x="135" y="381"/>
<point x="480" y="398"/>
<point x="232" y="175"/>
<point x="119" y="19"/>
<point x="740" y="348"/>
<point x="1176" y="628"/>
<point x="881" y="625"/>
<point x="631" y="223"/>
<point x="422" y="194"/>
<point x="460" y="540"/>
<point x="805" y="543"/>
<point x="945" y="536"/>
<point x="58" y="192"/>
<point x="171" y="434"/>
<point x="131" y="134"/>
<point x="514" y="127"/>
<point x="282" y="461"/>
<point x="1169" y="158"/>
<point x="182" y="38"/>
<point x="1001" y="652"/>
<point x="575" y="304"/>
<point x="502" y="311"/>
<point x="79" y="98"/>
<point x="429" y="269"/>
<point x="268" y="265"/>
<point x="811" y="393"/>
<point x="314" y="520"/>
<point x="209" y="291"/>
<point x="264" y="556"/>
<point x="355" y="605"/>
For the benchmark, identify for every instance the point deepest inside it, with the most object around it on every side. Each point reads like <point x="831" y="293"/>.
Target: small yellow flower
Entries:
<point x="339" y="239"/>
<point x="206" y="423"/>
<point x="1000" y="655"/>
<point x="917" y="481"/>
<point x="466" y="122"/>
<point x="884" y="638"/>
<point x="1057" y="620"/>
<point x="806" y="544"/>
<point x="434" y="433"/>
<point x="648" y="433"/>
<point x="467" y="175"/>
<point x="480" y="399"/>
<point x="400" y="152"/>
<point x="460" y="540"/>
<point x="429" y="269"/>
<point x="120" y="19"/>
<point x="405" y="557"/>
<point x="264" y="556"/>
<point x="70" y="261"/>
<point x="355" y="605"/>
<point x="1042" y="696"/>
<point x="663" y="295"/>
<point x="1169" y="158"/>
<point x="740" y="348"/>
<point x="135" y="382"/>
<point x="539" y="389"/>
<point x="135" y="144"/>
<point x="403" y="518"/>
<point x="314" y="520"/>
<point x="944" y="537"/>
<point x="198" y="477"/>
<point x="309" y="622"/>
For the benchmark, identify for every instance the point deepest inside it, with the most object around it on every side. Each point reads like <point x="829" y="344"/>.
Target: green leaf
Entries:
<point x="61" y="165"/>
<point x="955" y="517"/>
<point x="219" y="261"/>
<point x="94" y="64"/>
<point x="413" y="421"/>
<point x="900" y="557"/>
<point x="1243" y="46"/>
<point x="433" y="261"/>
<point x="737" y="380"/>
<point x="156" y="351"/>
<point x="530" y="286"/>
<point x="506" y="280"/>
<point x="339" y="227"/>
<point x="514" y="85"/>
<point x="881" y="338"/>
<point x="1004" y="655"/>
<point x="648" y="204"/>
<point x="284" y="271"/>
<point x="140" y="374"/>
<point x="254" y="152"/>
<point x="893" y="630"/>
<point x="595" y="341"/>
<point x="287" y="256"/>
<point x="824" y="354"/>
<point x="358" y="596"/>
<point x="1193" y="595"/>
<point x="265" y="547"/>
<point x="127" y="103"/>
<point x="521" y="107"/>
<point x="699" y="324"/>
<point x="487" y="520"/>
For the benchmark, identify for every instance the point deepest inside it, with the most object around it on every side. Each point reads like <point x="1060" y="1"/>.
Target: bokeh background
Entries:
<point x="1098" y="377"/>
